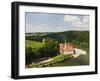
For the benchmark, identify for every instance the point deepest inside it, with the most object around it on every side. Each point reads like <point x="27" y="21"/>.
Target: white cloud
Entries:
<point x="86" y="20"/>
<point x="28" y="28"/>
<point x="43" y="24"/>
<point x="77" y="24"/>
<point x="77" y="21"/>
<point x="59" y="28"/>
<point x="40" y="28"/>
<point x="71" y="18"/>
<point x="74" y="20"/>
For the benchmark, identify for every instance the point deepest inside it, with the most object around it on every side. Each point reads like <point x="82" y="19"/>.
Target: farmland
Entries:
<point x="33" y="44"/>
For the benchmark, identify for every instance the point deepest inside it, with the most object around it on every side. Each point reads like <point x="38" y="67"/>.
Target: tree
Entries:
<point x="51" y="47"/>
<point x="29" y="55"/>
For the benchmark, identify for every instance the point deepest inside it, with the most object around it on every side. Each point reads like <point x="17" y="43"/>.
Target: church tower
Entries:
<point x="65" y="44"/>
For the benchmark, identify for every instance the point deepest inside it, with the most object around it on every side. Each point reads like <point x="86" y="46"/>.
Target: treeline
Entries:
<point x="49" y="49"/>
<point x="80" y="38"/>
<point x="61" y="36"/>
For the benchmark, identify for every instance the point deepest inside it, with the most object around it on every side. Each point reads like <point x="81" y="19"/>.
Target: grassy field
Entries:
<point x="33" y="44"/>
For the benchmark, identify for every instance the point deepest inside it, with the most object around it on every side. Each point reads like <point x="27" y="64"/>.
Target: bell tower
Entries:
<point x="65" y="44"/>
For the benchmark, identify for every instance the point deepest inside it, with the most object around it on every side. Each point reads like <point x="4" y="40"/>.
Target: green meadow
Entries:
<point x="33" y="44"/>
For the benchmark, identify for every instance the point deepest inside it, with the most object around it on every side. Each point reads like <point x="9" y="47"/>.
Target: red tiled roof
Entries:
<point x="68" y="47"/>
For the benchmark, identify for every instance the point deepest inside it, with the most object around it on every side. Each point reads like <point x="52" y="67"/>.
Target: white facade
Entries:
<point x="68" y="52"/>
<point x="80" y="51"/>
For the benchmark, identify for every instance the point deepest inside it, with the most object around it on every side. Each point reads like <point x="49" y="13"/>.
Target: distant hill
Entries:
<point x="70" y="36"/>
<point x="76" y="37"/>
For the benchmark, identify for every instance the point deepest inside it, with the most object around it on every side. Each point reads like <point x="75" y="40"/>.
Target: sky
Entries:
<point x="50" y="22"/>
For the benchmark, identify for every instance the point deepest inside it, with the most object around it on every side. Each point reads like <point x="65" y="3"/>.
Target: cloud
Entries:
<point x="86" y="20"/>
<point x="38" y="23"/>
<point x="78" y="21"/>
<point x="59" y="28"/>
<point x="40" y="28"/>
<point x="71" y="18"/>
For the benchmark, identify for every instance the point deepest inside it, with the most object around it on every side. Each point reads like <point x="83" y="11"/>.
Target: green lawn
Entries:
<point x="33" y="44"/>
